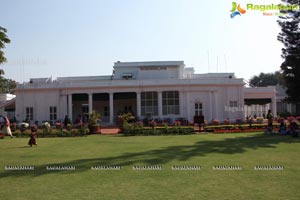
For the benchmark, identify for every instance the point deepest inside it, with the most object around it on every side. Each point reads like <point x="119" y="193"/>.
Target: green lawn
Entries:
<point x="207" y="150"/>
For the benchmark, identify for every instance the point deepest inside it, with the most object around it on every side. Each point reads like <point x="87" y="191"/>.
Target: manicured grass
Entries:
<point x="206" y="150"/>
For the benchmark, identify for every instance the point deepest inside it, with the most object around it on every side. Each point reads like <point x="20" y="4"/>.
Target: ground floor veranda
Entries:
<point x="162" y="106"/>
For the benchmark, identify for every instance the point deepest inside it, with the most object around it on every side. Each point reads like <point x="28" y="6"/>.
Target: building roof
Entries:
<point x="133" y="74"/>
<point x="148" y="63"/>
<point x="9" y="105"/>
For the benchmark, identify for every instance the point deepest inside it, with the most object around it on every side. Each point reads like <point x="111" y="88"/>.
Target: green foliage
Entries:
<point x="44" y="132"/>
<point x="290" y="37"/>
<point x="7" y="85"/>
<point x="19" y="133"/>
<point x="267" y="79"/>
<point x="69" y="127"/>
<point x="123" y="121"/>
<point x="3" y="40"/>
<point x="94" y="117"/>
<point x="84" y="130"/>
<point x="138" y="129"/>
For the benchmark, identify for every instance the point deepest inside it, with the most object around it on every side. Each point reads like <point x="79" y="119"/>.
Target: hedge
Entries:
<point x="54" y="133"/>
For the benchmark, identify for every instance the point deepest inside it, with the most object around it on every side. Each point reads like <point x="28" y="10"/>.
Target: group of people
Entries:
<point x="5" y="129"/>
<point x="293" y="129"/>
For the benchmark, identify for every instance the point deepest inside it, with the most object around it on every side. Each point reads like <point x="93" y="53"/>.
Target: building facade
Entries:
<point x="165" y="90"/>
<point x="7" y="106"/>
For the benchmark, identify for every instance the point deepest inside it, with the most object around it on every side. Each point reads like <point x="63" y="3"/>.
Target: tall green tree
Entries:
<point x="3" y="40"/>
<point x="267" y="79"/>
<point x="290" y="37"/>
<point x="6" y="85"/>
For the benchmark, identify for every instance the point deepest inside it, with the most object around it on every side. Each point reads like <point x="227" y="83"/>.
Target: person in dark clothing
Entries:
<point x="270" y="122"/>
<point x="67" y="121"/>
<point x="32" y="140"/>
<point x="201" y="123"/>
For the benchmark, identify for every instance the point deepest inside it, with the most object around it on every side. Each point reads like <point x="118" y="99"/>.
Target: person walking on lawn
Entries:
<point x="32" y="140"/>
<point x="7" y="126"/>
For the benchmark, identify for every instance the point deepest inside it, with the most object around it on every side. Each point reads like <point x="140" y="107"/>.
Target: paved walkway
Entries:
<point x="109" y="130"/>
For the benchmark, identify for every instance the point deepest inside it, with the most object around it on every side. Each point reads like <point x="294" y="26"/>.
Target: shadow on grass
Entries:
<point x="165" y="155"/>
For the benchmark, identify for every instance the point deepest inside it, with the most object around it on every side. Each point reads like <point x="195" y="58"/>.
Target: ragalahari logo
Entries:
<point x="236" y="10"/>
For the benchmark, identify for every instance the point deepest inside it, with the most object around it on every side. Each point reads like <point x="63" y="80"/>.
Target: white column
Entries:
<point x="70" y="107"/>
<point x="90" y="102"/>
<point x="274" y="106"/>
<point x="215" y="104"/>
<point x="138" y="104"/>
<point x="289" y="108"/>
<point x="210" y="106"/>
<point x="181" y="104"/>
<point x="242" y="103"/>
<point x="111" y="108"/>
<point x="159" y="95"/>
<point x="188" y="106"/>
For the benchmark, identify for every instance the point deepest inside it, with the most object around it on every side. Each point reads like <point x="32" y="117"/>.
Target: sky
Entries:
<point x="61" y="38"/>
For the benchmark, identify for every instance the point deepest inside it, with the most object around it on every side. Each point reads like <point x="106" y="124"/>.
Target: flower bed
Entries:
<point x="240" y="128"/>
<point x="53" y="132"/>
<point x="134" y="129"/>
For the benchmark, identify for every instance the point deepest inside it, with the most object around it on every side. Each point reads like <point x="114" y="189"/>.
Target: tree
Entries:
<point x="290" y="37"/>
<point x="267" y="79"/>
<point x="7" y="85"/>
<point x="3" y="39"/>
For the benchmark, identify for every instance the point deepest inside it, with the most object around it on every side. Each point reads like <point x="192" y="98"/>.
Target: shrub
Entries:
<point x="215" y="122"/>
<point x="152" y="124"/>
<point x="94" y="118"/>
<point x="69" y="127"/>
<point x="124" y="118"/>
<point x="133" y="129"/>
<point x="83" y="131"/>
<point x="19" y="133"/>
<point x="46" y="127"/>
<point x="16" y="133"/>
<point x="139" y="124"/>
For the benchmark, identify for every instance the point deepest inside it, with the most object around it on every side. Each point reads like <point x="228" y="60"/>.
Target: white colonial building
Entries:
<point x="160" y="90"/>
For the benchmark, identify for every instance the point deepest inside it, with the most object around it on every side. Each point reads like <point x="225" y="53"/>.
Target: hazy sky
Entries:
<point x="76" y="38"/>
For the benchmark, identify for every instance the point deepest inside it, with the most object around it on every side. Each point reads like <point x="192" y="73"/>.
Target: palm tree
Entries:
<point x="3" y="39"/>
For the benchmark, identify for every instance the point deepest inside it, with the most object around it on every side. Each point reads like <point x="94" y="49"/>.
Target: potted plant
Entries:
<point x="124" y="119"/>
<point x="24" y="126"/>
<point x="94" y="118"/>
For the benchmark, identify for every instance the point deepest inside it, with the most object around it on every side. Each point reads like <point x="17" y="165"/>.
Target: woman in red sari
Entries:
<point x="32" y="140"/>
